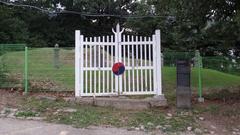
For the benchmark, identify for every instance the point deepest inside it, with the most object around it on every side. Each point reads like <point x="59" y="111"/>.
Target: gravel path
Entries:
<point x="25" y="127"/>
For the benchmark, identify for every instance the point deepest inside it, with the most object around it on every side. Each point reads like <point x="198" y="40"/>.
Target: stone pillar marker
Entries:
<point x="56" y="57"/>
<point x="183" y="84"/>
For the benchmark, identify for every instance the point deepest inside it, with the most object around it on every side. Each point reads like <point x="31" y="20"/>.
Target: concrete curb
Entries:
<point x="122" y="103"/>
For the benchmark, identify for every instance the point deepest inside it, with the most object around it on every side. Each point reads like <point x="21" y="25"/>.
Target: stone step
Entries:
<point x="122" y="103"/>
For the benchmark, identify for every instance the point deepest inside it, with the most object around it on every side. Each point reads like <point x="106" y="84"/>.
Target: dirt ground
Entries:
<point x="217" y="116"/>
<point x="9" y="98"/>
<point x="26" y="127"/>
<point x="223" y="121"/>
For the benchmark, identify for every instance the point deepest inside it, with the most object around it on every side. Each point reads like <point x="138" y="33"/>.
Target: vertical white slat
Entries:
<point x="141" y="62"/>
<point x="150" y="52"/>
<point x="81" y="65"/>
<point x="145" y="64"/>
<point x="116" y="35"/>
<point x="116" y="58"/>
<point x="77" y="63"/>
<point x="158" y="63"/>
<point x="137" y="62"/>
<point x="124" y="62"/>
<point x="112" y="62"/>
<point x="120" y="77"/>
<point x="95" y="65"/>
<point x="150" y="64"/>
<point x="91" y="66"/>
<point x="99" y="64"/>
<point x="154" y="64"/>
<point x="86" y="66"/>
<point x="108" y="64"/>
<point x="103" y="66"/>
<point x="133" y="66"/>
<point x="129" y="65"/>
<point x="86" y="52"/>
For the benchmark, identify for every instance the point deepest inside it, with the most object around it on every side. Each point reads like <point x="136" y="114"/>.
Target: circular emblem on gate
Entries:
<point x="118" y="68"/>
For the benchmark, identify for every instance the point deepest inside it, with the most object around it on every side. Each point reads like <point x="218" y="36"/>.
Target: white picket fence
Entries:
<point x="95" y="56"/>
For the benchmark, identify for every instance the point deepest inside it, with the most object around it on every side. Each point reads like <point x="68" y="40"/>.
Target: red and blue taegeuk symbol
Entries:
<point x="118" y="68"/>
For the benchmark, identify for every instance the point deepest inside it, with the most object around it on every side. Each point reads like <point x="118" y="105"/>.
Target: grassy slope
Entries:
<point x="211" y="78"/>
<point x="41" y="68"/>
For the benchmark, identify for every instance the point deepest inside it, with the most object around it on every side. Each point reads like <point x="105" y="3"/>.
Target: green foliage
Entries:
<point x="26" y="114"/>
<point x="12" y="29"/>
<point x="82" y="118"/>
<point x="211" y="26"/>
<point x="222" y="64"/>
<point x="170" y="57"/>
<point x="191" y="24"/>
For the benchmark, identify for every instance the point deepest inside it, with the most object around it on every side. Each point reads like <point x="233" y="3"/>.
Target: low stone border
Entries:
<point x="121" y="103"/>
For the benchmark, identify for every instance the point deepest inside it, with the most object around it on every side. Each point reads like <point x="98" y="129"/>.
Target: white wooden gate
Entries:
<point x="95" y="56"/>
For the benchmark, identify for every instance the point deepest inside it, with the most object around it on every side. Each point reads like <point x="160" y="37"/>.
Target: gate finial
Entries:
<point x="118" y="29"/>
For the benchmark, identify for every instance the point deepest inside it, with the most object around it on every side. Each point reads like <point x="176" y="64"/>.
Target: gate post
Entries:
<point x="118" y="56"/>
<point x="81" y="65"/>
<point x="158" y="63"/>
<point x="119" y="36"/>
<point x="77" y="63"/>
<point x="116" y="34"/>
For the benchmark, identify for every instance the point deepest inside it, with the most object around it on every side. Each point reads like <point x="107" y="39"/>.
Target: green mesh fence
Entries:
<point x="223" y="64"/>
<point x="12" y="66"/>
<point x="169" y="60"/>
<point x="51" y="69"/>
<point x="220" y="73"/>
<point x="217" y="72"/>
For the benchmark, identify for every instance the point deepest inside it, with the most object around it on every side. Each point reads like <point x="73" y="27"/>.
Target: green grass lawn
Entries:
<point x="210" y="78"/>
<point x="43" y="74"/>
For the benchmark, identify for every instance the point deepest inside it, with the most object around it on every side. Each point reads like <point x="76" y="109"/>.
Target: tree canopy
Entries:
<point x="212" y="26"/>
